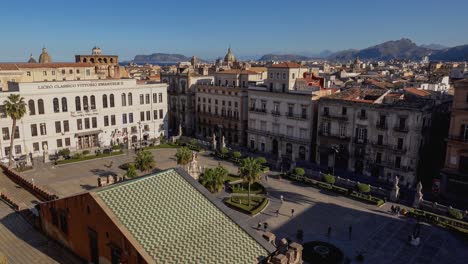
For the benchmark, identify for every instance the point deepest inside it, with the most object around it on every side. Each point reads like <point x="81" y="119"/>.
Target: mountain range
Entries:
<point x="403" y="49"/>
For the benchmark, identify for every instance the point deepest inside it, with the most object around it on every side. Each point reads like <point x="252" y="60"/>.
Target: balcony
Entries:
<point x="275" y="113"/>
<point x="296" y="116"/>
<point x="458" y="139"/>
<point x="362" y="117"/>
<point x="401" y="129"/>
<point x="360" y="141"/>
<point x="333" y="136"/>
<point x="392" y="148"/>
<point x="381" y="126"/>
<point x="265" y="132"/>
<point x="257" y="110"/>
<point x="335" y="117"/>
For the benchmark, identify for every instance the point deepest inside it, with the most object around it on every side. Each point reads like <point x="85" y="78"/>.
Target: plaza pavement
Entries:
<point x="379" y="235"/>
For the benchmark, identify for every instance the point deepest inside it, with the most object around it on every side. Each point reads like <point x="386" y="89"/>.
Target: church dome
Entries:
<point x="31" y="59"/>
<point x="44" y="57"/>
<point x="229" y="56"/>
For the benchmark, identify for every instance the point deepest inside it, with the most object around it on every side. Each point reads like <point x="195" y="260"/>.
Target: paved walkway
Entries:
<point x="22" y="244"/>
<point x="381" y="236"/>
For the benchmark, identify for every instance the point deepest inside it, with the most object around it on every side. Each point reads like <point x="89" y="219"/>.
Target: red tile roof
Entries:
<point x="418" y="92"/>
<point x="17" y="66"/>
<point x="286" y="65"/>
<point x="8" y="67"/>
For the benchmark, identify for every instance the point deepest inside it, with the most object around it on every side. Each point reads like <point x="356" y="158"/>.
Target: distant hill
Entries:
<point x="283" y="57"/>
<point x="156" y="58"/>
<point x="433" y="46"/>
<point x="458" y="53"/>
<point x="395" y="49"/>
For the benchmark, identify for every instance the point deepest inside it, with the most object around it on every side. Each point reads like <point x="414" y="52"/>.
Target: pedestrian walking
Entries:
<point x="277" y="213"/>
<point x="265" y="226"/>
<point x="292" y="212"/>
<point x="281" y="198"/>
<point x="329" y="231"/>
<point x="259" y="226"/>
<point x="350" y="229"/>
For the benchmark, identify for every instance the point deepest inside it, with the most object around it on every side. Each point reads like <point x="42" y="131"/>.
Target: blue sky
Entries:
<point x="207" y="28"/>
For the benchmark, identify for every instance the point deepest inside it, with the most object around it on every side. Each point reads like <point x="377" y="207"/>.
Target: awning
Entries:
<point x="88" y="133"/>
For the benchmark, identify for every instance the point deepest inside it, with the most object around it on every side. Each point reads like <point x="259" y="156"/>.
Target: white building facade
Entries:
<point x="81" y="115"/>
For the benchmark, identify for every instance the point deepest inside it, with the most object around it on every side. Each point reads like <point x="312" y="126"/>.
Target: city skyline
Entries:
<point x="206" y="29"/>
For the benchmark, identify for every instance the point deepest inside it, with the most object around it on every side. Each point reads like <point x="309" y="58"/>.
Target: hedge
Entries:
<point x="89" y="157"/>
<point x="229" y="201"/>
<point x="340" y="190"/>
<point x="329" y="178"/>
<point x="455" y="213"/>
<point x="439" y="220"/>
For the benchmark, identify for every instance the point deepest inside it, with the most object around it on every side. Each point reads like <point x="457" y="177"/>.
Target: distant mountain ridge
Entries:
<point x="160" y="58"/>
<point x="283" y="57"/>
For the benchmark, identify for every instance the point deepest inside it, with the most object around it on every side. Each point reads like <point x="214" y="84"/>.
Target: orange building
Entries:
<point x="455" y="174"/>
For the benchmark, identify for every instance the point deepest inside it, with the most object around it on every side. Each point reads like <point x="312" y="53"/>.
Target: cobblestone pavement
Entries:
<point x="381" y="236"/>
<point x="22" y="244"/>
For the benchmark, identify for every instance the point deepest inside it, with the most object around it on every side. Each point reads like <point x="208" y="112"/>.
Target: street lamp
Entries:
<point x="335" y="151"/>
<point x="139" y="128"/>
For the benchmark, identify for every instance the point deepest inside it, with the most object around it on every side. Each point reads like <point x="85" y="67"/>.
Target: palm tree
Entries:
<point x="144" y="161"/>
<point x="213" y="179"/>
<point x="250" y="171"/>
<point x="15" y="108"/>
<point x="223" y="172"/>
<point x="131" y="171"/>
<point x="183" y="156"/>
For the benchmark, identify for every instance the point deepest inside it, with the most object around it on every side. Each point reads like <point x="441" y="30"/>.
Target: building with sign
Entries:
<point x="84" y="114"/>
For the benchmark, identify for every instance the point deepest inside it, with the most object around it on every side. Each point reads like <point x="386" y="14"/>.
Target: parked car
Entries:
<point x="107" y="151"/>
<point x="4" y="160"/>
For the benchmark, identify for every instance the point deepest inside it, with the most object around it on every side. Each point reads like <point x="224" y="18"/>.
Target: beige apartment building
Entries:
<point x="455" y="173"/>
<point x="374" y="132"/>
<point x="181" y="93"/>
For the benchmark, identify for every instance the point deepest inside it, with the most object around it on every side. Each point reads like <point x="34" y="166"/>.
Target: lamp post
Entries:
<point x="139" y="128"/>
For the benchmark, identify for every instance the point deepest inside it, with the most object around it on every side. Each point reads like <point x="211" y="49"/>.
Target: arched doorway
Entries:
<point x="274" y="147"/>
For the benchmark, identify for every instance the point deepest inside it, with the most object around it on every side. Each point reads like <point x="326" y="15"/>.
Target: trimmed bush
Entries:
<point x="329" y="179"/>
<point x="240" y="203"/>
<point x="364" y="188"/>
<point x="64" y="152"/>
<point x="299" y="171"/>
<point x="116" y="147"/>
<point x="455" y="213"/>
<point x="86" y="152"/>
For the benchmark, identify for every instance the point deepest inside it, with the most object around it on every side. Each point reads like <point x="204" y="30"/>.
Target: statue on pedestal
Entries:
<point x="213" y="141"/>
<point x="28" y="157"/>
<point x="395" y="190"/>
<point x="193" y="168"/>
<point x="180" y="131"/>
<point x="223" y="142"/>
<point x="45" y="153"/>
<point x="418" y="197"/>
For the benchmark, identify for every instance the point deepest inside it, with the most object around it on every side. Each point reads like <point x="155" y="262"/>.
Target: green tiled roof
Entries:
<point x="175" y="223"/>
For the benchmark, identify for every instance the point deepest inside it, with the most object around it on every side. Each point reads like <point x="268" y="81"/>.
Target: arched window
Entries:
<point x="85" y="103"/>
<point x="64" y="104"/>
<point x="111" y="101"/>
<point x="77" y="103"/>
<point x="182" y="86"/>
<point x="93" y="102"/>
<point x="104" y="101"/>
<point x="289" y="149"/>
<point x="40" y="106"/>
<point x="32" y="107"/>
<point x="56" y="105"/>
<point x="130" y="99"/>
<point x="124" y="99"/>
<point x="302" y="153"/>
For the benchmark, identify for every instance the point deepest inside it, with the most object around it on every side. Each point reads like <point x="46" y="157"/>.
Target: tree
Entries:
<point x="222" y="171"/>
<point x="131" y="171"/>
<point x="213" y="179"/>
<point x="329" y="179"/>
<point x="144" y="161"/>
<point x="299" y="171"/>
<point x="261" y="160"/>
<point x="183" y="156"/>
<point x="364" y="188"/>
<point x="15" y="108"/>
<point x="250" y="171"/>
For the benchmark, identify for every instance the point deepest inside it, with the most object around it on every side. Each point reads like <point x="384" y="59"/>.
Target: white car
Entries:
<point x="4" y="160"/>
